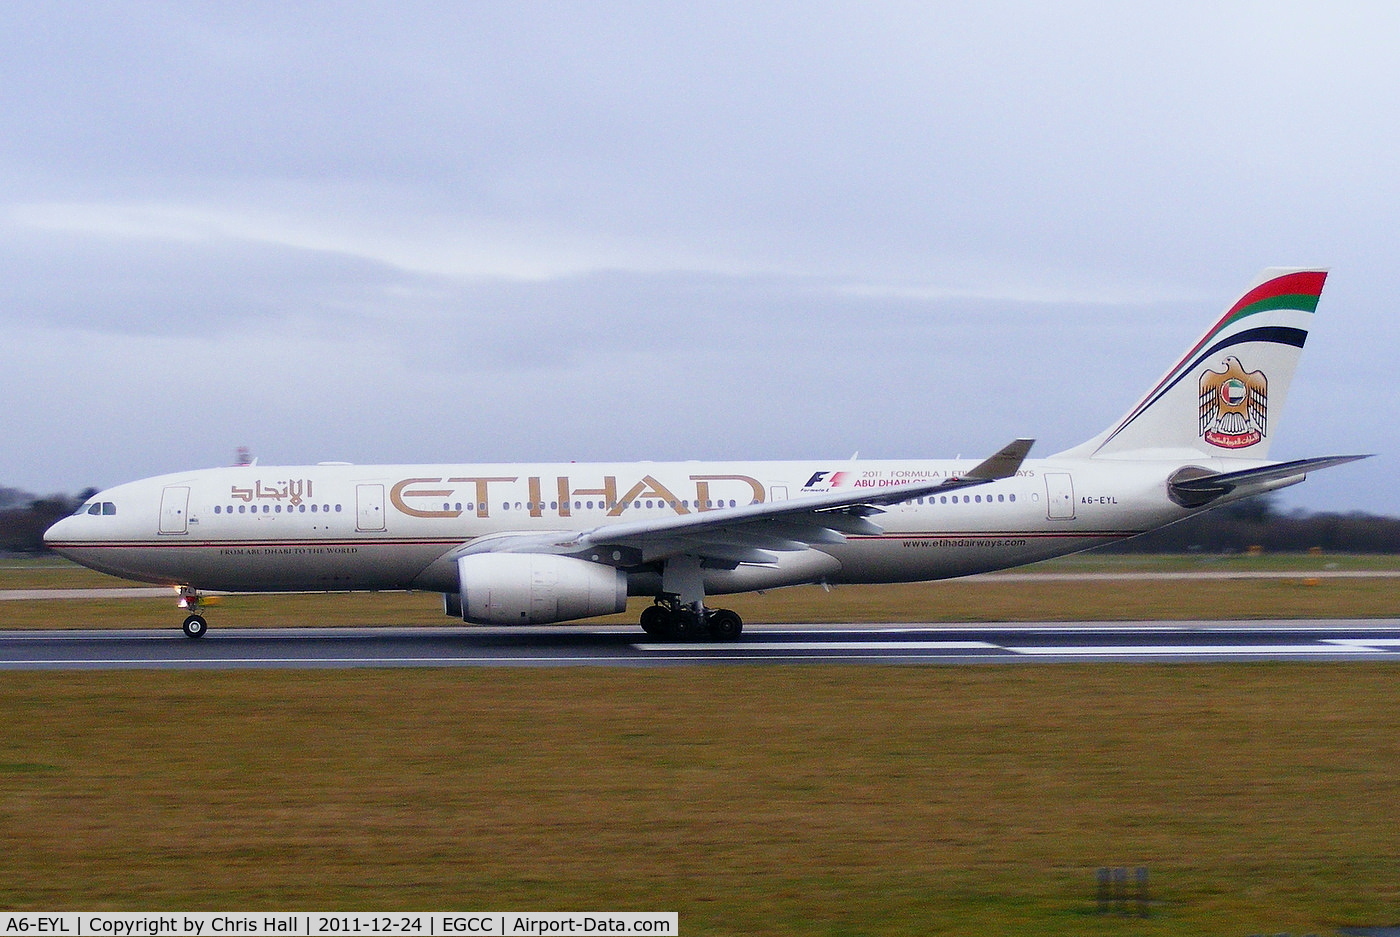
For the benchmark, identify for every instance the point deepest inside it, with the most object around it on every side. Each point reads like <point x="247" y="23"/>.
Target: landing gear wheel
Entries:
<point x="725" y="625"/>
<point x="681" y="625"/>
<point x="195" y="626"/>
<point x="655" y="620"/>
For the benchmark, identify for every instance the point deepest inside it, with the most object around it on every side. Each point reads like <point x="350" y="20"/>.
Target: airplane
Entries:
<point x="531" y="544"/>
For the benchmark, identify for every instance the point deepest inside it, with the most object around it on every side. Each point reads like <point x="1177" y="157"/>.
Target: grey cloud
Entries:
<point x="135" y="286"/>
<point x="771" y="188"/>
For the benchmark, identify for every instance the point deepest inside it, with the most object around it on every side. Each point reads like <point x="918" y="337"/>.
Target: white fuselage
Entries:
<point x="352" y="527"/>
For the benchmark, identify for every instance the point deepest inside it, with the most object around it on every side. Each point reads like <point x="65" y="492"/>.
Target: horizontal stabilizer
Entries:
<point x="1195" y="488"/>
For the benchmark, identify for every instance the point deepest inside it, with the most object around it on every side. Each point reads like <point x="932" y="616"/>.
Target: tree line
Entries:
<point x="24" y="517"/>
<point x="1255" y="522"/>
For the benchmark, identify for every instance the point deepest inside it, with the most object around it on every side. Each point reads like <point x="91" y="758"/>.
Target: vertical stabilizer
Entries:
<point x="1222" y="399"/>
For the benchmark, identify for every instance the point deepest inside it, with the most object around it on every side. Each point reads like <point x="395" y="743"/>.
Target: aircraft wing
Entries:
<point x="751" y="533"/>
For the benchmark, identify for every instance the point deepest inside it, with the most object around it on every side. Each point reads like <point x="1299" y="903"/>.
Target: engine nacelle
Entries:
<point x="535" y="589"/>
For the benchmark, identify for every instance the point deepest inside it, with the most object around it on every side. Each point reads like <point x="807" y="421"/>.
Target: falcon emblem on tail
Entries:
<point x="1234" y="406"/>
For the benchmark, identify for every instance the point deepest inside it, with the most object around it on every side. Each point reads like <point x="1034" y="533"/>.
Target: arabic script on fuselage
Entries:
<point x="293" y="491"/>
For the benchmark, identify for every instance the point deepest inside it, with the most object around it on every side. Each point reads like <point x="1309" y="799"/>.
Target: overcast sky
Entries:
<point x="515" y="231"/>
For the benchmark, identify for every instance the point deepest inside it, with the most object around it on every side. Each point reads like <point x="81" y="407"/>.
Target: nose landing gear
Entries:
<point x="195" y="626"/>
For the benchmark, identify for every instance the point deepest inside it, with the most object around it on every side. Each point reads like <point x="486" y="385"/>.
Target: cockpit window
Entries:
<point x="108" y="508"/>
<point x="97" y="508"/>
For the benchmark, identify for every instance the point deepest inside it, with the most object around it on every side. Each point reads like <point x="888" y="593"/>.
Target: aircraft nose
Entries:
<point x="59" y="531"/>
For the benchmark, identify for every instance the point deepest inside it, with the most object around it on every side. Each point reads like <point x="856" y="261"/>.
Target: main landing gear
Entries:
<point x="680" y="612"/>
<point x="195" y="626"/>
<point x="670" y="618"/>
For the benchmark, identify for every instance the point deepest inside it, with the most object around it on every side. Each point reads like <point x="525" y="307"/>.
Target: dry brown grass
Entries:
<point x="755" y="800"/>
<point x="951" y="601"/>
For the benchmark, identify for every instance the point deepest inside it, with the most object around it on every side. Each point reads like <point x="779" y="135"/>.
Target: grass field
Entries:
<point x="813" y="800"/>
<point x="809" y="800"/>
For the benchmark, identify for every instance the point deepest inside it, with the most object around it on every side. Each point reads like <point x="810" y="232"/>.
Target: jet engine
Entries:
<point x="534" y="589"/>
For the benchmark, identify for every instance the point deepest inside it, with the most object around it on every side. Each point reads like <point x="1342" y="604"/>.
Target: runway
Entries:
<point x="1000" y="643"/>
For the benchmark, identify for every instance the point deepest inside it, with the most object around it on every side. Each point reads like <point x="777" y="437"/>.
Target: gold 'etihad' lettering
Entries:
<point x="482" y="492"/>
<point x="702" y="488"/>
<point x="648" y="487"/>
<point x="436" y="497"/>
<point x="566" y="494"/>
<point x="398" y="493"/>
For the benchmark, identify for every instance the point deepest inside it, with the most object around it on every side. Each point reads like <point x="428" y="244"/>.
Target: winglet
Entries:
<point x="1004" y="463"/>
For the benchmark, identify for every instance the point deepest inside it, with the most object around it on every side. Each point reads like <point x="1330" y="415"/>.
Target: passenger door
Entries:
<point x="1059" y="497"/>
<point x="369" y="507"/>
<point x="174" y="510"/>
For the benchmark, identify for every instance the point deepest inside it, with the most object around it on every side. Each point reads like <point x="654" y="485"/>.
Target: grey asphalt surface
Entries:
<point x="615" y="646"/>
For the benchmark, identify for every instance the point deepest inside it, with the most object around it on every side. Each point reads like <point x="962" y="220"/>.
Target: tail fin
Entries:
<point x="1223" y="398"/>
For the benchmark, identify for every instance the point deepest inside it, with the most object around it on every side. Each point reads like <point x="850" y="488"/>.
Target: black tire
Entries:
<point x="655" y="621"/>
<point x="681" y="626"/>
<point x="195" y="626"/>
<point x="725" y="625"/>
